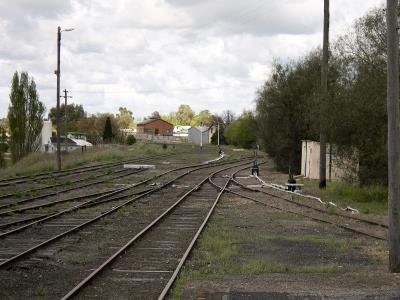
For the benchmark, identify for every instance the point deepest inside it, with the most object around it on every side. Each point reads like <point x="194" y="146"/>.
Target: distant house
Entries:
<point x="155" y="127"/>
<point x="128" y="131"/>
<point x="181" y="130"/>
<point x="74" y="140"/>
<point x="199" y="135"/>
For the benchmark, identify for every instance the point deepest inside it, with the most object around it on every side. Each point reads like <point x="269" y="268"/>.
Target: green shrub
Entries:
<point x="130" y="139"/>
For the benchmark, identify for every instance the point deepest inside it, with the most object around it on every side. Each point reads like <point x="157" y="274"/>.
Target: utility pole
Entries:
<point x="218" y="133"/>
<point x="65" y="111"/>
<point x="58" y="125"/>
<point x="393" y="110"/>
<point x="58" y="73"/>
<point x="324" y="98"/>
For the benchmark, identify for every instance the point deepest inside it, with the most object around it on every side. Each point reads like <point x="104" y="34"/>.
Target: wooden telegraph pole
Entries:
<point x="58" y="121"/>
<point x="393" y="111"/>
<point x="324" y="98"/>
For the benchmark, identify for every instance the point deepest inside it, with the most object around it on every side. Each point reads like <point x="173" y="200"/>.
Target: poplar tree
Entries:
<point x="107" y="133"/>
<point x="25" y="116"/>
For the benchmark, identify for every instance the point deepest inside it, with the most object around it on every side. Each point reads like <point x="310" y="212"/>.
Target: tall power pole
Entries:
<point x="65" y="111"/>
<point x="218" y="133"/>
<point x="324" y="98"/>
<point x="58" y="73"/>
<point x="393" y="111"/>
<point x="58" y="125"/>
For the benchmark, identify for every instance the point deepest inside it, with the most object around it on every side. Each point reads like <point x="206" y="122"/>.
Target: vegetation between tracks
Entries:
<point x="368" y="199"/>
<point x="44" y="162"/>
<point x="222" y="250"/>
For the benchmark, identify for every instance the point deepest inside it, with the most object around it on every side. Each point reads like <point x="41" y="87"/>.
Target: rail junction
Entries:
<point x="133" y="229"/>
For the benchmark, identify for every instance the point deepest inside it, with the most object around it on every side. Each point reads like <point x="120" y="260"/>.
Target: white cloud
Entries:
<point x="156" y="54"/>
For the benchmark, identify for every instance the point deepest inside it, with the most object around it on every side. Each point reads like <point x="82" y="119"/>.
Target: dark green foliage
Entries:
<point x="287" y="110"/>
<point x="3" y="140"/>
<point x="288" y="103"/>
<point x="223" y="122"/>
<point x="107" y="133"/>
<point x="164" y="146"/>
<point x="242" y="132"/>
<point x="360" y="107"/>
<point x="25" y="116"/>
<point x="130" y="139"/>
<point x="75" y="112"/>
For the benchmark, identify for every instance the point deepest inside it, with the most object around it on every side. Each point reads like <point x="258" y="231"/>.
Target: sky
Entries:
<point x="153" y="55"/>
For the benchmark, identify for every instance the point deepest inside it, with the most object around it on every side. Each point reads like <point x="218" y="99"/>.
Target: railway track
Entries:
<point x="110" y="203"/>
<point x="276" y="200"/>
<point x="155" y="255"/>
<point x="88" y="182"/>
<point x="150" y="202"/>
<point x="74" y="171"/>
<point x="33" y="212"/>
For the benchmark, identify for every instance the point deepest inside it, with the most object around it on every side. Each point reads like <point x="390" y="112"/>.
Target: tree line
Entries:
<point x="356" y="118"/>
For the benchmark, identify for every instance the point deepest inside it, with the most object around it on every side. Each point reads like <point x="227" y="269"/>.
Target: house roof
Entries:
<point x="145" y="122"/>
<point x="200" y="128"/>
<point x="68" y="141"/>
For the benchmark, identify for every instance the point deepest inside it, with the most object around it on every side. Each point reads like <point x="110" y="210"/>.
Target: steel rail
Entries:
<point x="52" y="203"/>
<point x="27" y="200"/>
<point x="78" y="170"/>
<point x="306" y="216"/>
<point x="4" y="196"/>
<point x="80" y="226"/>
<point x="171" y="281"/>
<point x="97" y="271"/>
<point x="99" y="199"/>
<point x="371" y="222"/>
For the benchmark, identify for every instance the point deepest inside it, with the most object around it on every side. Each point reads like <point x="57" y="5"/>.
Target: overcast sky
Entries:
<point x="152" y="55"/>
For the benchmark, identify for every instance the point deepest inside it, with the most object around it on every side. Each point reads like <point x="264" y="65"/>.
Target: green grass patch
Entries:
<point x="367" y="199"/>
<point x="222" y="250"/>
<point x="45" y="162"/>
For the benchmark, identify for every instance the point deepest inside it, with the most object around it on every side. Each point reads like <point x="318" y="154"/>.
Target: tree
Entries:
<point x="75" y="113"/>
<point x="242" y="132"/>
<point x="286" y="108"/>
<point x="107" y="133"/>
<point x="228" y="117"/>
<point x="130" y="139"/>
<point x="3" y="146"/>
<point x="125" y="118"/>
<point x="170" y="118"/>
<point x="25" y="116"/>
<point x="204" y="117"/>
<point x="155" y="115"/>
<point x="184" y="115"/>
<point x="360" y="108"/>
<point x="214" y="139"/>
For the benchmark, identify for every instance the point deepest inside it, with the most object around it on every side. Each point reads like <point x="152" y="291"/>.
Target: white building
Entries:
<point x="45" y="137"/>
<point x="74" y="140"/>
<point x="181" y="130"/>
<point x="199" y="135"/>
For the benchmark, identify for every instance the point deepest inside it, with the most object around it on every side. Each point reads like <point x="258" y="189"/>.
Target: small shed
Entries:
<point x="155" y="127"/>
<point x="336" y="167"/>
<point x="195" y="134"/>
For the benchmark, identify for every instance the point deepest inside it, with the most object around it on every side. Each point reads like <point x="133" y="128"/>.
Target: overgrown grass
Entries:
<point x="44" y="162"/>
<point x="222" y="251"/>
<point x="368" y="199"/>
